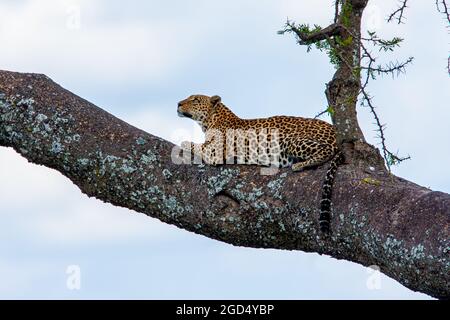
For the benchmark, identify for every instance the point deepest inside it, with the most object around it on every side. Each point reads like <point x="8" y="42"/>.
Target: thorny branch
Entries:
<point x="371" y="71"/>
<point x="442" y="7"/>
<point x="398" y="14"/>
<point x="388" y="156"/>
<point x="391" y="68"/>
<point x="367" y="64"/>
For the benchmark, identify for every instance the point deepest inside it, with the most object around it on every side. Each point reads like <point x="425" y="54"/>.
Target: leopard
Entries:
<point x="284" y="141"/>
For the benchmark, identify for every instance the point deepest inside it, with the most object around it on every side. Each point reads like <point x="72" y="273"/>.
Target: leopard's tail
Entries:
<point x="325" y="203"/>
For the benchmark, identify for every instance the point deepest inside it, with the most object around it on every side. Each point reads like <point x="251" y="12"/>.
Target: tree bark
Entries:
<point x="378" y="218"/>
<point x="343" y="90"/>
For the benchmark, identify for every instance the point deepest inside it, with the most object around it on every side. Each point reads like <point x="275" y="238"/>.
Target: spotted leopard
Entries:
<point x="281" y="140"/>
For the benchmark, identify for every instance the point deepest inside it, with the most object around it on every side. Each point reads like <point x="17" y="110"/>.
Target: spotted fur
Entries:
<point x="300" y="142"/>
<point x="325" y="202"/>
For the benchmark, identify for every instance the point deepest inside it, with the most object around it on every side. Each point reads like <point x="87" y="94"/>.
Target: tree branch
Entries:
<point x="378" y="219"/>
<point x="398" y="14"/>
<point x="336" y="11"/>
<point x="442" y="7"/>
<point x="305" y="38"/>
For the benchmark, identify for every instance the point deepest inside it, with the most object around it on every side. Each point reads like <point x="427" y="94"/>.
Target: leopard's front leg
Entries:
<point x="209" y="152"/>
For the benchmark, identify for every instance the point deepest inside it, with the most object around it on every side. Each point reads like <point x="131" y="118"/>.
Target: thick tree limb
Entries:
<point x="378" y="219"/>
<point x="343" y="90"/>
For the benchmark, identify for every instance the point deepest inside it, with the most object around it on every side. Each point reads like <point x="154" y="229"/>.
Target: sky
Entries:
<point x="137" y="60"/>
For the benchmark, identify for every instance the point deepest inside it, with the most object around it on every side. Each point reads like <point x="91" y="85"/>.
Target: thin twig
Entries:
<point x="390" y="68"/>
<point x="399" y="12"/>
<point x="321" y="113"/>
<point x="444" y="10"/>
<point x="389" y="157"/>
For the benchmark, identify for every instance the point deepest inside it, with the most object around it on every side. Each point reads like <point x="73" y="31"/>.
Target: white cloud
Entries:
<point x="167" y="126"/>
<point x="15" y="279"/>
<point x="68" y="39"/>
<point x="25" y="184"/>
<point x="89" y="221"/>
<point x="39" y="36"/>
<point x="40" y="203"/>
<point x="312" y="12"/>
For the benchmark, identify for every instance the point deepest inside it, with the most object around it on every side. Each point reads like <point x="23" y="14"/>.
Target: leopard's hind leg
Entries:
<point x="311" y="153"/>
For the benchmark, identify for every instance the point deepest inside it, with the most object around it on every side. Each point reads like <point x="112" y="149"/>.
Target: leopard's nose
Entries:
<point x="179" y="104"/>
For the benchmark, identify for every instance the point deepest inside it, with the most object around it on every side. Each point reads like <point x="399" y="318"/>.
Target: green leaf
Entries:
<point x="330" y="110"/>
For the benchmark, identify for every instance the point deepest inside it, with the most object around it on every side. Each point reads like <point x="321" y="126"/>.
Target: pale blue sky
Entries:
<point x="137" y="61"/>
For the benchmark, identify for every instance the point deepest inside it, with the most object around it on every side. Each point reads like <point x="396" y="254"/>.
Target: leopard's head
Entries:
<point x="197" y="107"/>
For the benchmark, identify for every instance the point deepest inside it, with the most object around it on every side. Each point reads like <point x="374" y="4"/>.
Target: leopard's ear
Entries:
<point x="215" y="100"/>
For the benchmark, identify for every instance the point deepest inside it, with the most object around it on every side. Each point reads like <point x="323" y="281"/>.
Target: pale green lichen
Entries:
<point x="47" y="128"/>
<point x="60" y="120"/>
<point x="25" y="101"/>
<point x="167" y="174"/>
<point x="260" y="205"/>
<point x="251" y="197"/>
<point x="149" y="158"/>
<point x="141" y="141"/>
<point x="56" y="147"/>
<point x="169" y="203"/>
<point x="417" y="252"/>
<point x="83" y="161"/>
<point x="239" y="185"/>
<point x="106" y="162"/>
<point x="9" y="116"/>
<point x="172" y="205"/>
<point x="256" y="193"/>
<point x="41" y="117"/>
<point x="392" y="245"/>
<point x="127" y="168"/>
<point x="276" y="186"/>
<point x="217" y="183"/>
